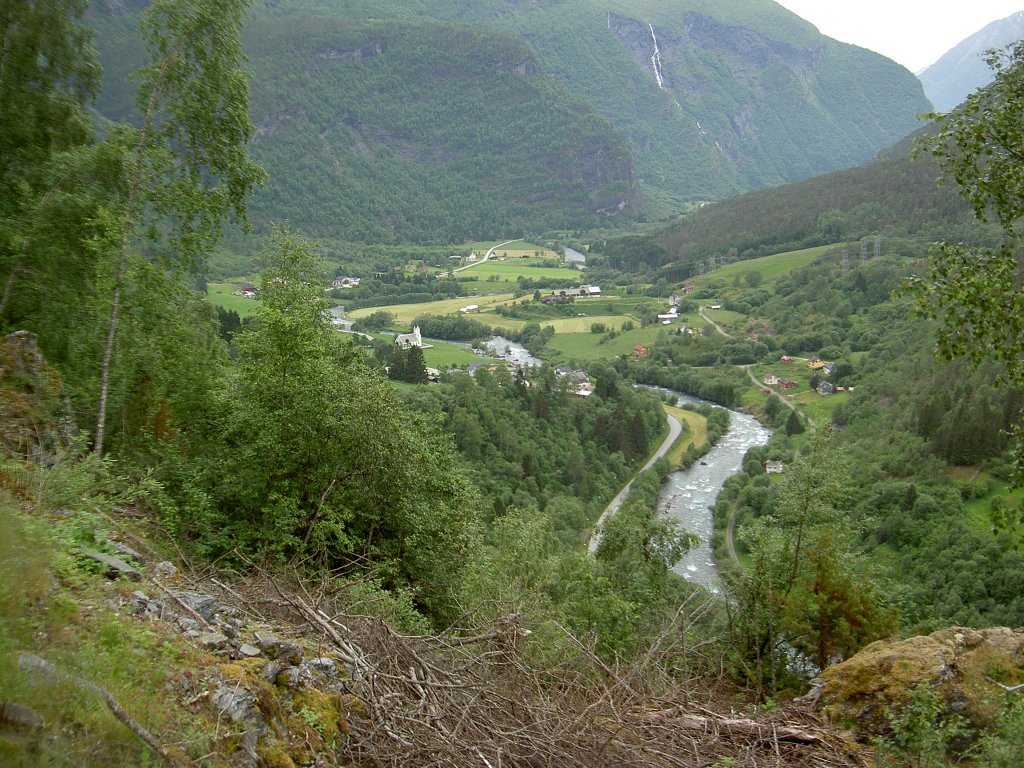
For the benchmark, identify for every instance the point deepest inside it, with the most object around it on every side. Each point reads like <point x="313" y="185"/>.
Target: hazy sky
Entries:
<point x="913" y="32"/>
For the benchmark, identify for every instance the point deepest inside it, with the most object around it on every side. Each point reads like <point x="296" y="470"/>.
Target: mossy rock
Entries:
<point x="275" y="756"/>
<point x="961" y="663"/>
<point x="322" y="711"/>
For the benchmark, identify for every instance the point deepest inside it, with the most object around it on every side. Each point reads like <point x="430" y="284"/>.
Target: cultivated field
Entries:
<point x="222" y="295"/>
<point x="406" y="313"/>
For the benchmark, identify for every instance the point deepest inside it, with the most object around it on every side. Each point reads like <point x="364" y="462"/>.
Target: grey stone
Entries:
<point x="20" y="716"/>
<point x="165" y="568"/>
<point x="276" y="648"/>
<point x="237" y="704"/>
<point x="205" y="605"/>
<point x="248" y="650"/>
<point x="295" y="677"/>
<point x="115" y="565"/>
<point x="271" y="670"/>
<point x="212" y="641"/>
<point x="127" y="551"/>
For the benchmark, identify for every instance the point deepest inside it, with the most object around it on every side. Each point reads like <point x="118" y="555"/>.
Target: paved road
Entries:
<point x="674" y="430"/>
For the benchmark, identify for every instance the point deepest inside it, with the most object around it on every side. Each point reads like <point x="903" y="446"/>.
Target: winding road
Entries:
<point x="675" y="429"/>
<point x="490" y="252"/>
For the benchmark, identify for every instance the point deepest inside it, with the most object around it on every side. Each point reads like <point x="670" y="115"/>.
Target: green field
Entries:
<point x="222" y="295"/>
<point x="497" y="321"/>
<point x="583" y="324"/>
<point x="694" y="434"/>
<point x="442" y="355"/>
<point x="588" y="347"/>
<point x="770" y="267"/>
<point x="406" y="313"/>
<point x="510" y="271"/>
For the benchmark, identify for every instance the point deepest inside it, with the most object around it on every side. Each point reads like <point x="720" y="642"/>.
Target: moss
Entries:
<point x="322" y="711"/>
<point x="275" y="756"/>
<point x="247" y="674"/>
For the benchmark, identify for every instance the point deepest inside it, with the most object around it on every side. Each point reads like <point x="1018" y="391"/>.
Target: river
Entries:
<point x="688" y="495"/>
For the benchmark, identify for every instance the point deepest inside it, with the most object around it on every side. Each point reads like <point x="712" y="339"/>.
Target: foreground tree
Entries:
<point x="319" y="462"/>
<point x="47" y="73"/>
<point x="976" y="292"/>
<point x="185" y="170"/>
<point x="809" y="593"/>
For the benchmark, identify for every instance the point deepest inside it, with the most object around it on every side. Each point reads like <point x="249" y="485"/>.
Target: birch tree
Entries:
<point x="186" y="170"/>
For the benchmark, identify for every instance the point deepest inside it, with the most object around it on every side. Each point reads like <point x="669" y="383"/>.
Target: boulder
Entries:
<point x="970" y="668"/>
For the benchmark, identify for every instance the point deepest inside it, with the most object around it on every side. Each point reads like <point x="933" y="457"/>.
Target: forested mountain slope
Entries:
<point x="715" y="97"/>
<point x="378" y="124"/>
<point x="895" y="195"/>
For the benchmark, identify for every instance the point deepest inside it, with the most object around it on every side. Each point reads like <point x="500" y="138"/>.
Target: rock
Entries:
<point x="34" y="414"/>
<point x="238" y="705"/>
<point x="324" y="665"/>
<point x="127" y="551"/>
<point x="20" y="716"/>
<point x="276" y="648"/>
<point x="212" y="641"/>
<point x="165" y="568"/>
<point x="964" y="665"/>
<point x="271" y="670"/>
<point x="205" y="605"/>
<point x="115" y="565"/>
<point x="248" y="650"/>
<point x="294" y="677"/>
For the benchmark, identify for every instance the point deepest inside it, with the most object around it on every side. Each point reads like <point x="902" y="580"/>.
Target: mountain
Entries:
<point x="962" y="70"/>
<point x="431" y="121"/>
<point x="894" y="194"/>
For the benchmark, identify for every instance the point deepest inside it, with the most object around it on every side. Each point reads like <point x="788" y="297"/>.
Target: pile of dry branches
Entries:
<point x="470" y="700"/>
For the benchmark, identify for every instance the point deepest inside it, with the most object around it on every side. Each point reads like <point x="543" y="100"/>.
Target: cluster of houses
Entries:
<point x="821" y="367"/>
<point x="344" y="282"/>
<point x="579" y="382"/>
<point x="246" y="291"/>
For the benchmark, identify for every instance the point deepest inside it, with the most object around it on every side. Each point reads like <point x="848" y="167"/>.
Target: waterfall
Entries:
<point x="656" y="59"/>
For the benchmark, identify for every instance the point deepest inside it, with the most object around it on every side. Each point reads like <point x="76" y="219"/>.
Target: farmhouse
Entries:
<point x="247" y="291"/>
<point x="582" y="292"/>
<point x="787" y="384"/>
<point x="771" y="379"/>
<point x="774" y="467"/>
<point x="826" y="388"/>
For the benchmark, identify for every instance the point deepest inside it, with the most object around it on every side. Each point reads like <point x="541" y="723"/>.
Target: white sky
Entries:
<point x="913" y="32"/>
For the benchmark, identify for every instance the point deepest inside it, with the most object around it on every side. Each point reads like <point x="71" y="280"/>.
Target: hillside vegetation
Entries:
<point x="380" y="125"/>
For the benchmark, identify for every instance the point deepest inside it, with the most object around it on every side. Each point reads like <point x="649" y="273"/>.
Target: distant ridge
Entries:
<point x="962" y="70"/>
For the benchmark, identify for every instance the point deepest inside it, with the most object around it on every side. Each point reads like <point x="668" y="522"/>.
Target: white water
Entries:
<point x="688" y="495"/>
<point x="656" y="59"/>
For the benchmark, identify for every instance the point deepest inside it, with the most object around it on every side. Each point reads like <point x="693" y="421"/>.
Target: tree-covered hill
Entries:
<point x="431" y="121"/>
<point x="397" y="132"/>
<point x="746" y="94"/>
<point x="895" y="195"/>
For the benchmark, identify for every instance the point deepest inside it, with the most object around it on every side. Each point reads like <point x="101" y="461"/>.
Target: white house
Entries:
<point x="470" y="308"/>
